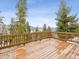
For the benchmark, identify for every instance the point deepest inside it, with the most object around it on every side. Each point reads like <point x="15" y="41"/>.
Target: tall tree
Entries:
<point x="1" y="19"/>
<point x="63" y="18"/>
<point x="73" y="24"/>
<point x="28" y="27"/>
<point x="36" y="29"/>
<point x="44" y="27"/>
<point x="21" y="23"/>
<point x="49" y="29"/>
<point x="21" y="11"/>
<point x="3" y="27"/>
<point x="12" y="26"/>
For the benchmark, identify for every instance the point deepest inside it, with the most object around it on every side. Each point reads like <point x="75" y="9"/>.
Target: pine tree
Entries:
<point x="28" y="27"/>
<point x="12" y="26"/>
<point x="21" y="11"/>
<point x="21" y="23"/>
<point x="5" y="29"/>
<point x="64" y="20"/>
<point x="49" y="29"/>
<point x="44" y="27"/>
<point x="36" y="29"/>
<point x="1" y="19"/>
<point x="73" y="24"/>
<point x="3" y="26"/>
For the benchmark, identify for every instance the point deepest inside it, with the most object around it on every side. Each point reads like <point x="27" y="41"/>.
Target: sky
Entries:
<point x="39" y="11"/>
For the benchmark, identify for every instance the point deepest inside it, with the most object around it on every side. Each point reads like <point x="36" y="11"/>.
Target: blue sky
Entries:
<point x="39" y="11"/>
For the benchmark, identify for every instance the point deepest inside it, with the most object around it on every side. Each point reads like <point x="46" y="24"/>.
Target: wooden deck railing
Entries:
<point x="17" y="39"/>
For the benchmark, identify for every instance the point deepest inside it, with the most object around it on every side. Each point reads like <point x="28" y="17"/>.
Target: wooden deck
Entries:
<point x="45" y="49"/>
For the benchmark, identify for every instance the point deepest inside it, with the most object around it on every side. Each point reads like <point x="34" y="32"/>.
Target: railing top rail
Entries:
<point x="39" y="33"/>
<point x="67" y="32"/>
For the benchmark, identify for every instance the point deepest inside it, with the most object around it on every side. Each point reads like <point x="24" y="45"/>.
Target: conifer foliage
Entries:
<point x="20" y="25"/>
<point x="65" y="22"/>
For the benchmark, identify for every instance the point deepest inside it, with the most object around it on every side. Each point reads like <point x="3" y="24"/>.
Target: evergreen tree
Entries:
<point x="44" y="27"/>
<point x="21" y="11"/>
<point x="64" y="21"/>
<point x="49" y="29"/>
<point x="21" y="23"/>
<point x="1" y="19"/>
<point x="3" y="28"/>
<point x="28" y="27"/>
<point x="36" y="30"/>
<point x="12" y="26"/>
<point x="73" y="24"/>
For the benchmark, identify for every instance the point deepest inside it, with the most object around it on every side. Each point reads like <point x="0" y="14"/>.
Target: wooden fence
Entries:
<point x="17" y="39"/>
